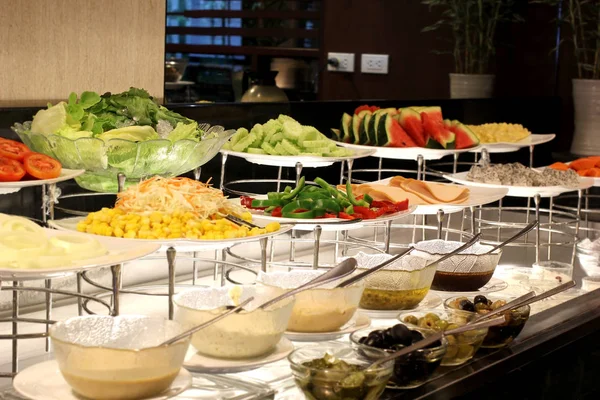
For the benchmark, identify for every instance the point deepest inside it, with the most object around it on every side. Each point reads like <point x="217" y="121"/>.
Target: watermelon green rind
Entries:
<point x="391" y="134"/>
<point x="465" y="137"/>
<point x="356" y="121"/>
<point x="433" y="125"/>
<point x="346" y="128"/>
<point x="364" y="130"/>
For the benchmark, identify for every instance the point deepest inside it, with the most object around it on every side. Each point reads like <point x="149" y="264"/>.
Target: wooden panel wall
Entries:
<point x="49" y="48"/>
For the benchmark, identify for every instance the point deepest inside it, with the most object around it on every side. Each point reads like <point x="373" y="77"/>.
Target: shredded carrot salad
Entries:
<point x="176" y="194"/>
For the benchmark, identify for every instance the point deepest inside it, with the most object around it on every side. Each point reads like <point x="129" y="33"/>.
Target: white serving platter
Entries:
<point x="65" y="175"/>
<point x="508" y="147"/>
<point x="118" y="253"/>
<point x="70" y="224"/>
<point x="406" y="153"/>
<point x="521" y="191"/>
<point x="595" y="180"/>
<point x="290" y="161"/>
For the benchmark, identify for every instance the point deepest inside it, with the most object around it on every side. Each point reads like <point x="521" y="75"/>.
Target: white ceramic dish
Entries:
<point x="521" y="191"/>
<point x="198" y="363"/>
<point x="478" y="196"/>
<point x="406" y="153"/>
<point x="70" y="224"/>
<point x="118" y="253"/>
<point x="65" y="175"/>
<point x="431" y="300"/>
<point x="494" y="285"/>
<point x="359" y="321"/>
<point x="290" y="161"/>
<point x="508" y="147"/>
<point x="44" y="381"/>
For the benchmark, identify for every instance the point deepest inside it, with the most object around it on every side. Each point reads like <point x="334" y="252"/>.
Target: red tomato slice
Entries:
<point x="12" y="149"/>
<point x="41" y="166"/>
<point x="11" y="170"/>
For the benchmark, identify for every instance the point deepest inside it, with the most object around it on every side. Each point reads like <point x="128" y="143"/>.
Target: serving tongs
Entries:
<point x="438" y="336"/>
<point x="241" y="222"/>
<point x="525" y="300"/>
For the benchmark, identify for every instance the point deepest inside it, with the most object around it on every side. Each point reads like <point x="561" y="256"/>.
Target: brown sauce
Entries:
<point x="460" y="282"/>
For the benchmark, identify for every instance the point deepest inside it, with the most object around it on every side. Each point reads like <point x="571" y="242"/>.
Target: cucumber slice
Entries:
<point x="312" y="154"/>
<point x="227" y="146"/>
<point x="276" y="138"/>
<point x="281" y="150"/>
<point x="269" y="149"/>
<point x="339" y="153"/>
<point x="323" y="150"/>
<point x="311" y="144"/>
<point x="252" y="150"/>
<point x="284" y="118"/>
<point x="290" y="147"/>
<point x="244" y="143"/>
<point x="259" y="139"/>
<point x="239" y="134"/>
<point x="309" y="133"/>
<point x="292" y="130"/>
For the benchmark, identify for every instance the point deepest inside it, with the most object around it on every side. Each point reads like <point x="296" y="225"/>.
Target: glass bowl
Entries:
<point x="104" y="357"/>
<point x="500" y="335"/>
<point x="333" y="382"/>
<point x="401" y="285"/>
<point x="461" y="347"/>
<point x="323" y="309"/>
<point x="103" y="161"/>
<point x="467" y="271"/>
<point x="588" y="254"/>
<point x="249" y="333"/>
<point x="411" y="370"/>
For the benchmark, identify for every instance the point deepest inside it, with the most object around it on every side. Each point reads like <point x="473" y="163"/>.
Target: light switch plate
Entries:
<point x="345" y="62"/>
<point x="374" y="63"/>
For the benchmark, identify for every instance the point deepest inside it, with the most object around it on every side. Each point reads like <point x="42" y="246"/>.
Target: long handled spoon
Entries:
<point x="207" y="323"/>
<point x="438" y="336"/>
<point x="522" y="232"/>
<point x="376" y="268"/>
<point x="456" y="251"/>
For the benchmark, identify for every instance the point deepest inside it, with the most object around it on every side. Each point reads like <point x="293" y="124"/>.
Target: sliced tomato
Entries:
<point x="41" y="166"/>
<point x="13" y="149"/>
<point x="11" y="170"/>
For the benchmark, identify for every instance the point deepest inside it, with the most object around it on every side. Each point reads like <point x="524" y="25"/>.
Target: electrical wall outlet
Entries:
<point x="374" y="63"/>
<point x="345" y="62"/>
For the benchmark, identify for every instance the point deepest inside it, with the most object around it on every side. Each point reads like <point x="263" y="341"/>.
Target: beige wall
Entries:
<point x="49" y="48"/>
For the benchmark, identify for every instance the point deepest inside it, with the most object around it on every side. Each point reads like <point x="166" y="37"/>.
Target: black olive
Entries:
<point x="466" y="305"/>
<point x="401" y="334"/>
<point x="375" y="333"/>
<point x="416" y="336"/>
<point x="362" y="340"/>
<point x="397" y="347"/>
<point x="388" y="336"/>
<point x="376" y="339"/>
<point x="370" y="341"/>
<point x="480" y="299"/>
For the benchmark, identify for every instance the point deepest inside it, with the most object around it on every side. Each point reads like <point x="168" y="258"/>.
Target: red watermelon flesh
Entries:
<point x="465" y="137"/>
<point x="392" y="134"/>
<point x="433" y="125"/>
<point x="410" y="121"/>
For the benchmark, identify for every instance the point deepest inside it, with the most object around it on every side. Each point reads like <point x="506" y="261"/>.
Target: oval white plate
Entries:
<point x="44" y="381"/>
<point x="478" y="196"/>
<point x="494" y="285"/>
<point x="406" y="153"/>
<point x="508" y="147"/>
<point x="118" y="253"/>
<point x="431" y="300"/>
<point x="358" y="321"/>
<point x="70" y="224"/>
<point x="290" y="161"/>
<point x="65" y="175"/>
<point x="521" y="191"/>
<point x="196" y="362"/>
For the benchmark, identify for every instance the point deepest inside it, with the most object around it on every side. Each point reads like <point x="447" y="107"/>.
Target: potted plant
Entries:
<point x="583" y="20"/>
<point x="473" y="24"/>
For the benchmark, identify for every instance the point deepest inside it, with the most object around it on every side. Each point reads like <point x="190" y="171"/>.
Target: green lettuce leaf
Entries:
<point x="133" y="133"/>
<point x="50" y="120"/>
<point x="185" y="131"/>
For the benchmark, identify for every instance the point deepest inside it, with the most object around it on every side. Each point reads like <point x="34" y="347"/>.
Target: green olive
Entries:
<point x="451" y="352"/>
<point x="481" y="306"/>
<point x="451" y="326"/>
<point x="411" y="319"/>
<point x="497" y="304"/>
<point x="427" y="323"/>
<point x="432" y="316"/>
<point x="441" y="325"/>
<point x="451" y="341"/>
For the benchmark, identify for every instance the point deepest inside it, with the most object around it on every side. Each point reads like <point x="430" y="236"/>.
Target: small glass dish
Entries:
<point x="411" y="370"/>
<point x="252" y="332"/>
<point x="461" y="347"/>
<point x="553" y="271"/>
<point x="328" y="379"/>
<point x="104" y="357"/>
<point x="500" y="335"/>
<point x="323" y="309"/>
<point x="590" y="283"/>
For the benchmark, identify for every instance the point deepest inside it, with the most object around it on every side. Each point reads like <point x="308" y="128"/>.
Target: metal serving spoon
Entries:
<point x="438" y="336"/>
<point x="376" y="268"/>
<point x="522" y="232"/>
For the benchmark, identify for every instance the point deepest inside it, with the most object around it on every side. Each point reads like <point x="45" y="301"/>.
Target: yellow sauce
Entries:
<point x="319" y="320"/>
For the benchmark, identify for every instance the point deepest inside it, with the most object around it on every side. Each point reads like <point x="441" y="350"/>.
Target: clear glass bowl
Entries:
<point x="413" y="369"/>
<point x="249" y="333"/>
<point x="500" y="335"/>
<point x="104" y="357"/>
<point x="461" y="347"/>
<point x="103" y="161"/>
<point x="401" y="285"/>
<point x="467" y="271"/>
<point x="326" y="384"/>
<point x="323" y="309"/>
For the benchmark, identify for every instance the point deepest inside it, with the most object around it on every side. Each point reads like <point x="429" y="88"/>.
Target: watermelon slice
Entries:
<point x="356" y="122"/>
<point x="345" y="132"/>
<point x="391" y="134"/>
<point x="374" y="124"/>
<point x="364" y="130"/>
<point x="410" y="120"/>
<point x="433" y="125"/>
<point x="465" y="137"/>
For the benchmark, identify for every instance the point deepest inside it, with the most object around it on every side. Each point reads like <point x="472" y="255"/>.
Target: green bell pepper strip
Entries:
<point x="314" y="195"/>
<point x="274" y="195"/>
<point x="269" y="210"/>
<point x="327" y="205"/>
<point x="294" y="193"/>
<point x="289" y="210"/>
<point x="336" y="194"/>
<point x="261" y="203"/>
<point x="351" y="197"/>
<point x="349" y="210"/>
<point x="287" y="189"/>
<point x="368" y="198"/>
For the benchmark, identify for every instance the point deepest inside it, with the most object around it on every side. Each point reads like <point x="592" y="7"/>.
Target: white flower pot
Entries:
<point x="586" y="98"/>
<point x="471" y="86"/>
